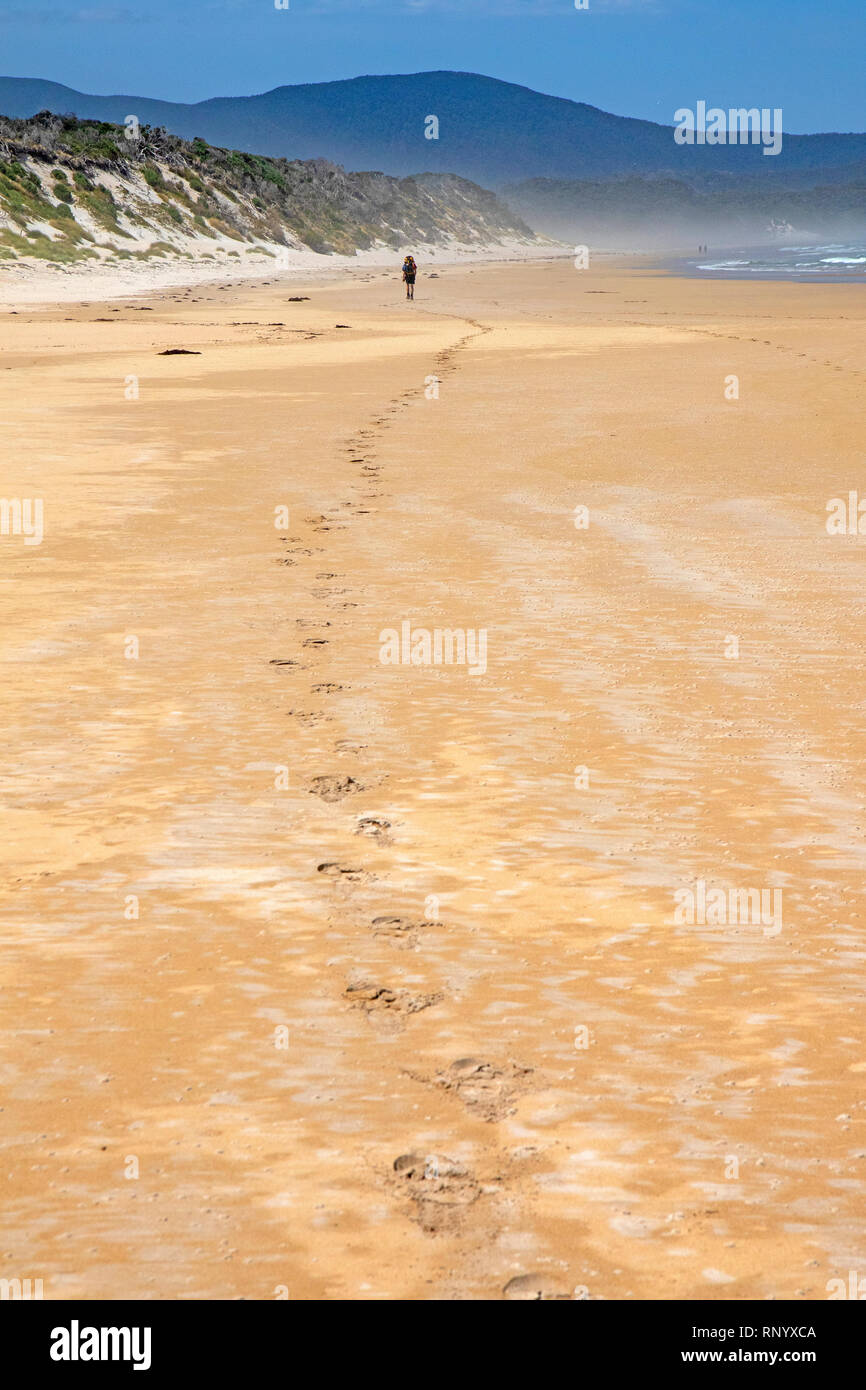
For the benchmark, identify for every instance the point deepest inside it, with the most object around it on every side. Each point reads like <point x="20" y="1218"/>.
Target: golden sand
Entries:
<point x="265" y="891"/>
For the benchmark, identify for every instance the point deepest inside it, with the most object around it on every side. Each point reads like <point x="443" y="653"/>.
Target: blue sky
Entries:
<point x="634" y="57"/>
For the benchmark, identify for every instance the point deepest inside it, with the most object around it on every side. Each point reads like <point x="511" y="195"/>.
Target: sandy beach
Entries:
<point x="29" y="282"/>
<point x="326" y="978"/>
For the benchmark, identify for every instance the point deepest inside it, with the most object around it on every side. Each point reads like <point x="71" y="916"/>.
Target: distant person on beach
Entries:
<point x="410" y="270"/>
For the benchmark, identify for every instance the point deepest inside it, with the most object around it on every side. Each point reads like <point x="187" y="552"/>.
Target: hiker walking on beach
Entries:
<point x="410" y="270"/>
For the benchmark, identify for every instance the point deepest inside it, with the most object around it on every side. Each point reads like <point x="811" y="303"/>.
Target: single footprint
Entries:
<point x="334" y="788"/>
<point x="308" y="718"/>
<point x="375" y="827"/>
<point x="403" y="931"/>
<point x="368" y="996"/>
<point x="439" y="1188"/>
<point x="373" y="998"/>
<point x="533" y="1288"/>
<point x="483" y="1087"/>
<point x="338" y="871"/>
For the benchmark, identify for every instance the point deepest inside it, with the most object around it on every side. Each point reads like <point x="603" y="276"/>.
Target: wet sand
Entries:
<point x="279" y="915"/>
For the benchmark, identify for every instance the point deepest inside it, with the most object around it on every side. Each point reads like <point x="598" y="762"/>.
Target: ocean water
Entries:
<point x="837" y="261"/>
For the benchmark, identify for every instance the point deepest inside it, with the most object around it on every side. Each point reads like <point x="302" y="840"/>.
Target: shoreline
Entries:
<point x="685" y="268"/>
<point x="41" y="287"/>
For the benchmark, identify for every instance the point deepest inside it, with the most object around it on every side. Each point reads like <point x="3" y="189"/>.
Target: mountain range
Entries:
<point x="489" y="131"/>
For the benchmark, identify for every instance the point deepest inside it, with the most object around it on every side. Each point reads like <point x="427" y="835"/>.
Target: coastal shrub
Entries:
<point x="224" y="229"/>
<point x="309" y="201"/>
<point x="101" y="206"/>
<point x="44" y="249"/>
<point x="16" y="173"/>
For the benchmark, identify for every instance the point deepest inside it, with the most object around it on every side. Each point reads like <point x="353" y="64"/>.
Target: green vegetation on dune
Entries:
<point x="42" y="248"/>
<point x="99" y="202"/>
<point x="165" y="184"/>
<point x="21" y="193"/>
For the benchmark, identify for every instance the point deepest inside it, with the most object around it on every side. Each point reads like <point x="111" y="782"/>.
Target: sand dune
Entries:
<point x="334" y="979"/>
